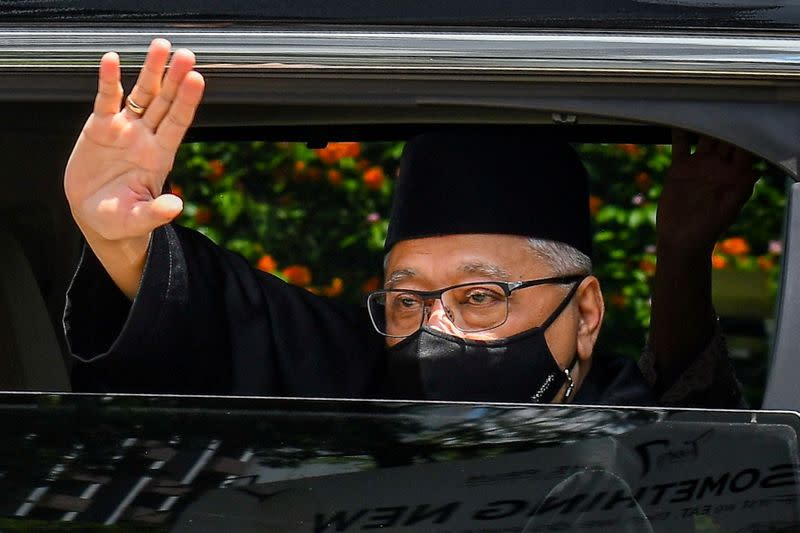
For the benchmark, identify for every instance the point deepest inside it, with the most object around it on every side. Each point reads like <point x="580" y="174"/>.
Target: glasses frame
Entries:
<point x="508" y="288"/>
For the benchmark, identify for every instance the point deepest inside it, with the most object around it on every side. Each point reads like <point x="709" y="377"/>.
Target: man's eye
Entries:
<point x="482" y="297"/>
<point x="406" y="302"/>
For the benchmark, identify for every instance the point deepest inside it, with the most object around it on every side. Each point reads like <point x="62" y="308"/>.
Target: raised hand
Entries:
<point x="117" y="169"/>
<point x="703" y="194"/>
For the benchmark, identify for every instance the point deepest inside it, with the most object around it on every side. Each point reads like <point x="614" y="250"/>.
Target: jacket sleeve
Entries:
<point x="205" y="322"/>
<point x="709" y="381"/>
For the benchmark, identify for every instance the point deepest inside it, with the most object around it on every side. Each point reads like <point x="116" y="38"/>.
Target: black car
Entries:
<point x="620" y="72"/>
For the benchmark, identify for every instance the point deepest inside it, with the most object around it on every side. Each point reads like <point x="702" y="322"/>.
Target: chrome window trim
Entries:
<point x="578" y="53"/>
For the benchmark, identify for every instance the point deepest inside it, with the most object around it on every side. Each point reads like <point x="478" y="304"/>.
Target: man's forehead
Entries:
<point x="487" y="256"/>
<point x="467" y="248"/>
<point x="483" y="269"/>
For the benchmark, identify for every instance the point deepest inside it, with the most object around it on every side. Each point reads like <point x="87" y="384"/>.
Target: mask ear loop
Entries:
<point x="570" y="381"/>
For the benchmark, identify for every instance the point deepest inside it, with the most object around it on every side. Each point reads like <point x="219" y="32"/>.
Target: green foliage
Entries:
<point x="285" y="205"/>
<point x="626" y="183"/>
<point x="302" y="213"/>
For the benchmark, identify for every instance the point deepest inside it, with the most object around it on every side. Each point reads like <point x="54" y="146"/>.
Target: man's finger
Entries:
<point x="148" y="85"/>
<point x="109" y="87"/>
<point x="681" y="143"/>
<point x="182" y="63"/>
<point x="181" y="113"/>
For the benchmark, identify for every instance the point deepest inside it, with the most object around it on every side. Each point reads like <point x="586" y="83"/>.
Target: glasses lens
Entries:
<point x="476" y="307"/>
<point x="396" y="313"/>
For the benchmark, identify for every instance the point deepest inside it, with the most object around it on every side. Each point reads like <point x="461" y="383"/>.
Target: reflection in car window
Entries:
<point x="317" y="217"/>
<point x="243" y="464"/>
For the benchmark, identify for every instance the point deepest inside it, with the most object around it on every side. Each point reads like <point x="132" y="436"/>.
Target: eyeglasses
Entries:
<point x="471" y="307"/>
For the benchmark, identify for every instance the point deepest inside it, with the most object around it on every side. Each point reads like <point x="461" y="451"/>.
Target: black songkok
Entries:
<point x="462" y="182"/>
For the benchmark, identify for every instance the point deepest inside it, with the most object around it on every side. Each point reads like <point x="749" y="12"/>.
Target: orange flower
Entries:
<point x="632" y="150"/>
<point x="215" y="170"/>
<point x="298" y="171"/>
<point x="328" y="155"/>
<point x="648" y="266"/>
<point x="267" y="263"/>
<point x="370" y="285"/>
<point x="595" y="203"/>
<point x="177" y="190"/>
<point x="643" y="181"/>
<point x="202" y="216"/>
<point x="734" y="246"/>
<point x="333" y="152"/>
<point x="353" y="149"/>
<point x="298" y="274"/>
<point x="335" y="288"/>
<point x="719" y="262"/>
<point x="765" y="263"/>
<point x="334" y="177"/>
<point x="374" y="178"/>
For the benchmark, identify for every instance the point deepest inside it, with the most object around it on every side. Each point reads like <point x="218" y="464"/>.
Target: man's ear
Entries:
<point x="590" y="306"/>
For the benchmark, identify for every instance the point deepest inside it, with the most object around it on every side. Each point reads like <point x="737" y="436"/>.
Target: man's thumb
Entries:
<point x="166" y="207"/>
<point x="149" y="215"/>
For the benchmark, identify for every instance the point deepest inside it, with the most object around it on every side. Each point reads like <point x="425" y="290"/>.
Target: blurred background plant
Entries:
<point x="318" y="217"/>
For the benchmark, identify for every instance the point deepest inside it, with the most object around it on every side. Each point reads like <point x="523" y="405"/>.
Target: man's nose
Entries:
<point x="439" y="317"/>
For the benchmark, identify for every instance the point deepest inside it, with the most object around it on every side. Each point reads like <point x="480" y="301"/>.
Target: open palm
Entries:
<point x="116" y="172"/>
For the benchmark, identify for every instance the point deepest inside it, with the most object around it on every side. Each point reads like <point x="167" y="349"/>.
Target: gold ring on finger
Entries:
<point x="134" y="108"/>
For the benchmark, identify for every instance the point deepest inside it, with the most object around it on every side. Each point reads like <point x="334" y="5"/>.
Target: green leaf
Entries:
<point x="230" y="205"/>
<point x="348" y="241"/>
<point x="636" y="218"/>
<point x="604" y="236"/>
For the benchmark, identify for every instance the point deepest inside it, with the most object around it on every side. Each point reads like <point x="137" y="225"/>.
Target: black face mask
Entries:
<point x="431" y="365"/>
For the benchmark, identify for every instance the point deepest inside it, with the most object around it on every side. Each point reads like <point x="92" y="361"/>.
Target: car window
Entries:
<point x="316" y="215"/>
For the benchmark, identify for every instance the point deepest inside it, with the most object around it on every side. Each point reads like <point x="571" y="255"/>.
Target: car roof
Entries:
<point x="577" y="14"/>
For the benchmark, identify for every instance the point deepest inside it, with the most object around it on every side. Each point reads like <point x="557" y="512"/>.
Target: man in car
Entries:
<point x="489" y="294"/>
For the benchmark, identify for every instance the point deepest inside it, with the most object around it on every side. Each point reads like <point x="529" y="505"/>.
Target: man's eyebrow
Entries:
<point x="485" y="269"/>
<point x="399" y="275"/>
